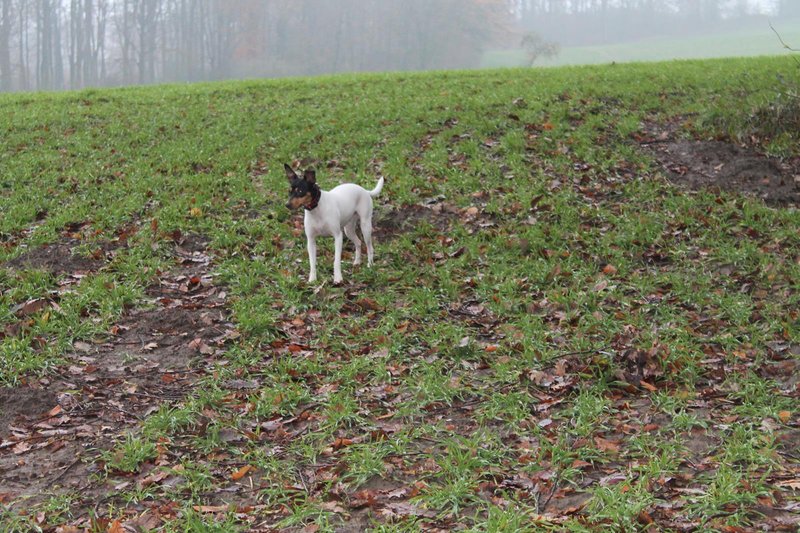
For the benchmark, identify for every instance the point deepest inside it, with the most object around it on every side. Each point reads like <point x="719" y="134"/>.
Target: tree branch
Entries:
<point x="786" y="46"/>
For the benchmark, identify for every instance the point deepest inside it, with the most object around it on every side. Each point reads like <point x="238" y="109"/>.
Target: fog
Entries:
<point x="71" y="44"/>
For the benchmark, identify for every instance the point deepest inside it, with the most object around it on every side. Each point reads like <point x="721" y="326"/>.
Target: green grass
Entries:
<point x="481" y="371"/>
<point x="740" y="43"/>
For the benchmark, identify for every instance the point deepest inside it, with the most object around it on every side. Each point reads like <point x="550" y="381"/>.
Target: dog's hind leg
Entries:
<point x="366" y="231"/>
<point x="350" y="231"/>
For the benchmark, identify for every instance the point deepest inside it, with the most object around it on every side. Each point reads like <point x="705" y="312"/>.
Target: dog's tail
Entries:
<point x="377" y="190"/>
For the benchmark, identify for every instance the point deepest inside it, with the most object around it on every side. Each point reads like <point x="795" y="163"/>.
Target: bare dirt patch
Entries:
<point x="59" y="258"/>
<point x="52" y="429"/>
<point x="21" y="404"/>
<point x="398" y="220"/>
<point x="703" y="164"/>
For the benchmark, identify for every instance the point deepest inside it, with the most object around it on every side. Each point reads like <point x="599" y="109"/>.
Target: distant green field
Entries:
<point x="746" y="43"/>
<point x="554" y="336"/>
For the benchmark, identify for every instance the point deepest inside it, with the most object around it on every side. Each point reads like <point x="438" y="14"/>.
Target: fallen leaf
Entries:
<point x="784" y="416"/>
<point x="648" y="386"/>
<point x="21" y="448"/>
<point x="341" y="443"/>
<point x="606" y="445"/>
<point x="243" y="471"/>
<point x="211" y="508"/>
<point x="363" y="498"/>
<point x="368" y="304"/>
<point x="333" y="507"/>
<point x="82" y="346"/>
<point x="146" y="522"/>
<point x="30" y="307"/>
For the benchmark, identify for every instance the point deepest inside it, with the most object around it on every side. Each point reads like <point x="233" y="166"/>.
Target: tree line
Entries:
<point x="69" y="44"/>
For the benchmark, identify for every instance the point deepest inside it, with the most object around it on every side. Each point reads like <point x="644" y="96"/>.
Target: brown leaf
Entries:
<point x="21" y="448"/>
<point x="789" y="483"/>
<point x="368" y="304"/>
<point x="363" y="498"/>
<point x="341" y="443"/>
<point x="606" y="445"/>
<point x="115" y="527"/>
<point x="153" y="478"/>
<point x="243" y="471"/>
<point x="146" y="522"/>
<point x="648" y="386"/>
<point x="405" y="509"/>
<point x="211" y="508"/>
<point x="30" y="307"/>
<point x="82" y="346"/>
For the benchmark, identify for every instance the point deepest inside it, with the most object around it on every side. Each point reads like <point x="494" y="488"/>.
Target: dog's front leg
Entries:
<point x="337" y="261"/>
<point x="312" y="259"/>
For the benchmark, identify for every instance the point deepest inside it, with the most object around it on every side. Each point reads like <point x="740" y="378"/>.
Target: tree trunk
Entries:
<point x="6" y="75"/>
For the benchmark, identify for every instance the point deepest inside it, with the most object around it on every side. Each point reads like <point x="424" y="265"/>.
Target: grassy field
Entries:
<point x="553" y="336"/>
<point x="742" y="43"/>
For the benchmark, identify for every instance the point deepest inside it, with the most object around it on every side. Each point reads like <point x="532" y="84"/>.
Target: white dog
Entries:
<point x="332" y="213"/>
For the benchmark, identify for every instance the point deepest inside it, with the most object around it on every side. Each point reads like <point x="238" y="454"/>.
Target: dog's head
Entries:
<point x="303" y="192"/>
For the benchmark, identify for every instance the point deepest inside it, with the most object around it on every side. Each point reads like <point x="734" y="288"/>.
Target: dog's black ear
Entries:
<point x="289" y="172"/>
<point x="310" y="175"/>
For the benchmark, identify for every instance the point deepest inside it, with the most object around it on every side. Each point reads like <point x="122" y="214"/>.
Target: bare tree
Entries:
<point x="536" y="46"/>
<point x="6" y="23"/>
<point x="50" y="68"/>
<point x="147" y="14"/>
<point x="109" y="42"/>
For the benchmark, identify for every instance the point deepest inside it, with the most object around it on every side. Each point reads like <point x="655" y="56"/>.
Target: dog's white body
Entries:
<point x="336" y="215"/>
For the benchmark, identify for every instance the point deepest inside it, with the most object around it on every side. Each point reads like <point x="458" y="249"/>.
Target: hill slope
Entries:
<point x="558" y="331"/>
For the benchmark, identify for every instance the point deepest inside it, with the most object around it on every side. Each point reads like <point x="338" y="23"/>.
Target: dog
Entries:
<point x="332" y="213"/>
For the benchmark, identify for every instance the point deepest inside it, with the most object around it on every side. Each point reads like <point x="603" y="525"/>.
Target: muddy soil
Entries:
<point x="60" y="258"/>
<point x="720" y="165"/>
<point x="53" y="428"/>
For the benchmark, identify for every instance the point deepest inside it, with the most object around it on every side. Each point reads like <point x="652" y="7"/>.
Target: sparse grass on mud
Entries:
<point x="554" y="335"/>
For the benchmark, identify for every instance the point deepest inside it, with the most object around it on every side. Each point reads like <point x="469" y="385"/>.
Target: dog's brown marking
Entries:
<point x="296" y="202"/>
